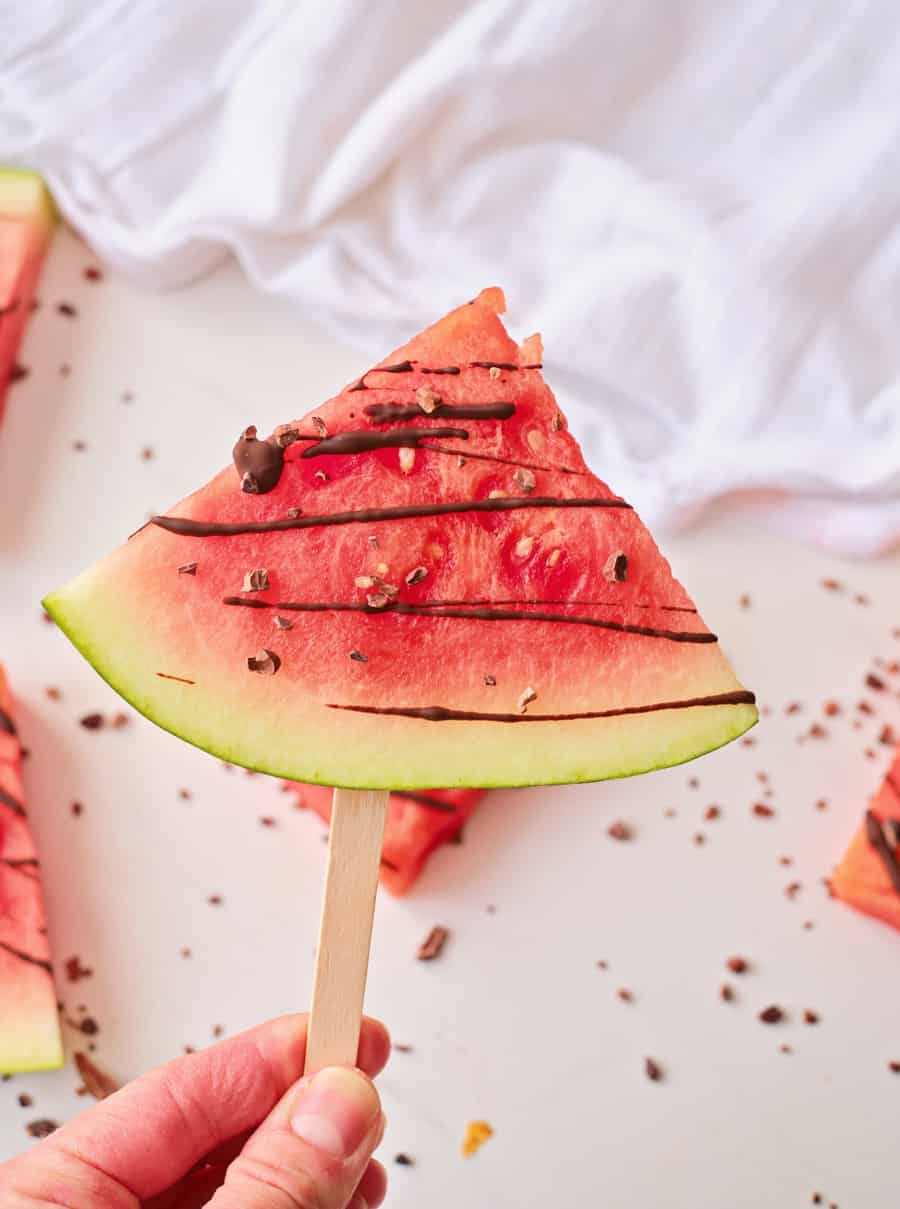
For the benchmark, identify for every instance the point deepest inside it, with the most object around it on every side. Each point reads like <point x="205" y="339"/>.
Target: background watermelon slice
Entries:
<point x="27" y="218"/>
<point x="416" y="824"/>
<point x="868" y="878"/>
<point x="29" y="1027"/>
<point x="426" y="588"/>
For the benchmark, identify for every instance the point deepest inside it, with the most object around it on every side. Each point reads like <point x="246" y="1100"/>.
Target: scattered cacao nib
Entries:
<point x="127" y="396"/>
<point x="712" y="812"/>
<point x="75" y="971"/>
<point x="615" y="569"/>
<point x="433" y="944"/>
<point x="865" y="707"/>
<point x="120" y="720"/>
<point x="860" y="598"/>
<point x="792" y="890"/>
<point x="653" y="1070"/>
<point x="785" y="1049"/>
<point x="319" y="426"/>
<point x="25" y="1101"/>
<point x="282" y="623"/>
<point x="762" y="810"/>
<point x="77" y="809"/>
<point x="89" y="1026"/>
<point x="810" y="1017"/>
<point x="821" y="804"/>
<point x="526" y="482"/>
<point x="601" y="964"/>
<point x="699" y="839"/>
<point x="416" y="575"/>
<point x="92" y="721"/>
<point x="92" y="273"/>
<point x="817" y="731"/>
<point x="185" y="952"/>
<point x="786" y="860"/>
<point x="41" y="1128"/>
<point x="771" y="1015"/>
<point x="693" y="783"/>
<point x="620" y="830"/>
<point x="256" y="580"/>
<point x="97" y="1082"/>
<point x="625" y="995"/>
<point x="79" y="446"/>
<point x="266" y="820"/>
<point x="727" y="992"/>
<point x="148" y="453"/>
<point x="738" y="965"/>
<point x="875" y="682"/>
<point x="18" y="373"/>
<point x="817" y="1198"/>
<point x="403" y="1048"/>
<point x="184" y="794"/>
<point x="793" y="707"/>
<point x="894" y="1068"/>
<point x="832" y="709"/>
<point x="265" y="662"/>
<point x="490" y="681"/>
<point x="218" y="1031"/>
<point x="832" y="585"/>
<point x="67" y="309"/>
<point x="358" y="657"/>
<point x="744" y="601"/>
<point x="52" y="693"/>
<point x="293" y="513"/>
<point x="404" y="1160"/>
<point x="187" y="569"/>
<point x="215" y="900"/>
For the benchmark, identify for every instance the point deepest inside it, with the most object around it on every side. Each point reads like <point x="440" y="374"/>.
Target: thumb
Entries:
<point x="312" y="1151"/>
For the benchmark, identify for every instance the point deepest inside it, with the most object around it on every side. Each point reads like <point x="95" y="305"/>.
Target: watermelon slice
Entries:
<point x="416" y="824"/>
<point x="868" y="878"/>
<point x="27" y="218"/>
<point x="29" y="1027"/>
<point x="420" y="584"/>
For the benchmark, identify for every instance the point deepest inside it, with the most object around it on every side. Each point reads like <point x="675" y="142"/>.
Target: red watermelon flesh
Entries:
<point x="26" y="222"/>
<point x="868" y="878"/>
<point x="29" y="1028"/>
<point x="432" y="590"/>
<point x="416" y="824"/>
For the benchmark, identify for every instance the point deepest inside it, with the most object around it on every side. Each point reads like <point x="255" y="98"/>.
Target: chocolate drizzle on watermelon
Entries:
<point x="884" y="849"/>
<point x="440" y="713"/>
<point x="384" y="413"/>
<point x="424" y="799"/>
<point x="6" y="799"/>
<point x="408" y="367"/>
<point x="365" y="442"/>
<point x="365" y="516"/>
<point x="27" y="866"/>
<point x="259" y="463"/>
<point x="26" y="957"/>
<point x="472" y="613"/>
<point x="7" y="726"/>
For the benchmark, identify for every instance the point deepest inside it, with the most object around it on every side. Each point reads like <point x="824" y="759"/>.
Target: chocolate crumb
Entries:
<point x="861" y="599"/>
<point x="620" y="830"/>
<point x="358" y="657"/>
<point x="738" y="965"/>
<point x="785" y="1049"/>
<point x="218" y="1031"/>
<point x="403" y="1160"/>
<point x="817" y="1198"/>
<point x="792" y="890"/>
<point x="25" y="1101"/>
<point x="120" y="720"/>
<point x="92" y="721"/>
<point x="865" y="707"/>
<point x="727" y="992"/>
<point x="693" y="783"/>
<point x="127" y="396"/>
<point x="79" y="446"/>
<point x="771" y="1015"/>
<point x="601" y="964"/>
<point x="96" y="1082"/>
<point x="793" y="707"/>
<point x="75" y="971"/>
<point x="416" y="575"/>
<point x="67" y="309"/>
<point x="817" y="731"/>
<point x="808" y="925"/>
<point x="433" y="944"/>
<point x="887" y="735"/>
<point x="187" y="569"/>
<point x="762" y="810"/>
<point x="615" y="569"/>
<point x="41" y="1128"/>
<point x="821" y="804"/>
<point x="184" y="794"/>
<point x="810" y="1017"/>
<point x="265" y="662"/>
<point x="653" y="1070"/>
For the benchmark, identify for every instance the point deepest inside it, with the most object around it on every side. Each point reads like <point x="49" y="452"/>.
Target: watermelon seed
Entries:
<point x="359" y="657"/>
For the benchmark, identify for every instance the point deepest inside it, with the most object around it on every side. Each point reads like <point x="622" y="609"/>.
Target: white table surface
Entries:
<point x="514" y="1023"/>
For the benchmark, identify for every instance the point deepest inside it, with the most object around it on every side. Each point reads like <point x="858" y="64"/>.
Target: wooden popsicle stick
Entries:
<point x="345" y="931"/>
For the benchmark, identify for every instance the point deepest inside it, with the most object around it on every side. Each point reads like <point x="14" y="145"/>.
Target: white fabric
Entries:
<point x="697" y="202"/>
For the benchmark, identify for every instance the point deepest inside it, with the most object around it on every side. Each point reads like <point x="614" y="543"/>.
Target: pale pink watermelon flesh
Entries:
<point x="29" y="1027"/>
<point x="416" y="824"/>
<point x="343" y="707"/>
<point x="868" y="877"/>
<point x="26" y="223"/>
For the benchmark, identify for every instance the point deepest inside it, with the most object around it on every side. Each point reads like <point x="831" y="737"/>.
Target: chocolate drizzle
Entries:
<point x="572" y="604"/>
<point x="886" y="853"/>
<point x="27" y="866"/>
<point x="259" y="463"/>
<point x="6" y="799"/>
<point x="26" y="957"/>
<point x="385" y="413"/>
<point x="7" y="726"/>
<point x="422" y="799"/>
<point x="365" y="442"/>
<point x="366" y="516"/>
<point x="407" y="367"/>
<point x="473" y="613"/>
<point x="440" y="713"/>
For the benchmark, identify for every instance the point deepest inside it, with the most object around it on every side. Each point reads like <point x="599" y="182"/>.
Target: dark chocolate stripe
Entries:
<point x="385" y="413"/>
<point x="26" y="957"/>
<point x="390" y="865"/>
<point x="28" y="867"/>
<point x="439" y="713"/>
<point x="495" y="365"/>
<point x="367" y="516"/>
<point x="472" y="613"/>
<point x="6" y="799"/>
<point x="365" y="442"/>
<point x="887" y="855"/>
<point x="7" y="726"/>
<point x="422" y="799"/>
<point x="441" y="369"/>
<point x="407" y="367"/>
<point x="468" y="456"/>
<point x="573" y="604"/>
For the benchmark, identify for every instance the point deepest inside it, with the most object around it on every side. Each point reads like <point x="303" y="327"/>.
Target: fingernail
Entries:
<point x="336" y="1111"/>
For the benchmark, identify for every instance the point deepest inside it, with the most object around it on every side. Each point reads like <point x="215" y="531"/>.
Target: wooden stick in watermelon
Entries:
<point x="420" y="584"/>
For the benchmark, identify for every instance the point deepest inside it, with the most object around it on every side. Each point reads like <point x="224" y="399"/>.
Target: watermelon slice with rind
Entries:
<point x="27" y="219"/>
<point x="416" y="823"/>
<point x="868" y="878"/>
<point x="29" y="1027"/>
<point x="419" y="584"/>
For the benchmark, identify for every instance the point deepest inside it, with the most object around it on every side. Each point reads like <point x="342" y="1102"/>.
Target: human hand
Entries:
<point x="232" y="1127"/>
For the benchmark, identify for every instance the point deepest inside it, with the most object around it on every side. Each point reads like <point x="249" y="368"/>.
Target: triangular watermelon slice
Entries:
<point x="420" y="584"/>
<point x="416" y="824"/>
<point x="29" y="1028"/>
<point x="27" y="218"/>
<point x="868" y="878"/>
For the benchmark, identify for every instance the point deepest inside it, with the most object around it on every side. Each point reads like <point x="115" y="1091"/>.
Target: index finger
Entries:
<point x="152" y="1132"/>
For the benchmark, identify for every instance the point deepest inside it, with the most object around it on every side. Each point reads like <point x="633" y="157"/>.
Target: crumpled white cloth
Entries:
<point x="697" y="203"/>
